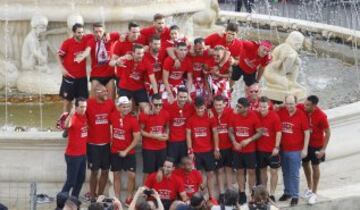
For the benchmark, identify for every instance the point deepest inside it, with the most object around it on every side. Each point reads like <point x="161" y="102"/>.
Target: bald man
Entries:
<point x="294" y="147"/>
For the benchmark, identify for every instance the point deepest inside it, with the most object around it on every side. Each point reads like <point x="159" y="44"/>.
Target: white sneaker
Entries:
<point x="307" y="194"/>
<point x="312" y="200"/>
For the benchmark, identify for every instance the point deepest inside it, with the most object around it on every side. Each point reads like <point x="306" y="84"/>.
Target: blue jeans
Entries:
<point x="290" y="164"/>
<point x="75" y="174"/>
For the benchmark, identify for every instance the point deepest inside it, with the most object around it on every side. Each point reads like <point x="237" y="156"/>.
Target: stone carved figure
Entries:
<point x="34" y="55"/>
<point x="282" y="73"/>
<point x="8" y="74"/>
<point x="37" y="74"/>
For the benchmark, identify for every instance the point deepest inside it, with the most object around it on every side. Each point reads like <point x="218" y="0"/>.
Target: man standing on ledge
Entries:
<point x="294" y="147"/>
<point x="75" y="154"/>
<point x="319" y="139"/>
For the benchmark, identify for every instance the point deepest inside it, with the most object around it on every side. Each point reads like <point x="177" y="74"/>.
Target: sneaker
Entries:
<point x="272" y="198"/>
<point x="65" y="134"/>
<point x="87" y="197"/>
<point x="242" y="198"/>
<point x="43" y="198"/>
<point x="284" y="197"/>
<point x="128" y="201"/>
<point x="307" y="194"/>
<point x="312" y="200"/>
<point x="213" y="201"/>
<point x="294" y="201"/>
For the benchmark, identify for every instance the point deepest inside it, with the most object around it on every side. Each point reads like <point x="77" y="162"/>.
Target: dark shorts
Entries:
<point x="139" y="96"/>
<point x="127" y="163"/>
<point x="74" y="88"/>
<point x="244" y="160"/>
<point x="177" y="150"/>
<point x="205" y="160"/>
<point x="237" y="72"/>
<point x="312" y="156"/>
<point x="226" y="159"/>
<point x="102" y="80"/>
<point x="153" y="160"/>
<point x="98" y="157"/>
<point x="265" y="159"/>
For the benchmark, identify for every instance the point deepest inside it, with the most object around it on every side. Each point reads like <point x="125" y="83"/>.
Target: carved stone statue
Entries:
<point x="282" y="72"/>
<point x="37" y="75"/>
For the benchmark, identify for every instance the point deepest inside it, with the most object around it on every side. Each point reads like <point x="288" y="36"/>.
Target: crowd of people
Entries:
<point x="152" y="88"/>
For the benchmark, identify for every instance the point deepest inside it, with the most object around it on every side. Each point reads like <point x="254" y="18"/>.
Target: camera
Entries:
<point x="148" y="192"/>
<point x="107" y="204"/>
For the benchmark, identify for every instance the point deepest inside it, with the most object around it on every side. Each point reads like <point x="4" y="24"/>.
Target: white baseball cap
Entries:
<point x="122" y="100"/>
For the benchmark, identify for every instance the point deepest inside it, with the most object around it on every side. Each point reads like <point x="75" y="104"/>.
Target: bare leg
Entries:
<point x="211" y="183"/>
<point x="229" y="177"/>
<point x="221" y="180"/>
<point x="273" y="180"/>
<point x="104" y="176"/>
<point x="117" y="183"/>
<point x="67" y="106"/>
<point x="252" y="178"/>
<point x="307" y="172"/>
<point x="93" y="183"/>
<point x="264" y="177"/>
<point x="241" y="180"/>
<point x="131" y="184"/>
<point x="316" y="178"/>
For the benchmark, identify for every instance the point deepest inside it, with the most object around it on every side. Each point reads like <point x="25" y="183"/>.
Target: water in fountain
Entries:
<point x="6" y="39"/>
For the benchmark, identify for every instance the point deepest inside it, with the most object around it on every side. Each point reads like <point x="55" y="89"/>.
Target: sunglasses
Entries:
<point x="239" y="106"/>
<point x="254" y="91"/>
<point x="158" y="104"/>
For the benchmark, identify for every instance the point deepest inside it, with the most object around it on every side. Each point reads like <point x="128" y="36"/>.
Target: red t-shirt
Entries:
<point x="223" y="126"/>
<point x="98" y="120"/>
<point x="133" y="75"/>
<point x="216" y="39"/>
<point x="318" y="123"/>
<point x="245" y="127"/>
<point x="176" y="76"/>
<point x="104" y="69"/>
<point x="250" y="61"/>
<point x="155" y="124"/>
<point x="271" y="124"/>
<point x="169" y="187"/>
<point x="68" y="51"/>
<point x="122" y="131"/>
<point x="148" y="32"/>
<point x="192" y="180"/>
<point x="201" y="132"/>
<point x="178" y="118"/>
<point x="78" y="133"/>
<point x="199" y="63"/>
<point x="156" y="63"/>
<point x="125" y="47"/>
<point x="292" y="128"/>
<point x="225" y="69"/>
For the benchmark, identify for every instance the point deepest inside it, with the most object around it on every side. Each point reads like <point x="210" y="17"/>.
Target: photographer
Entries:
<point x="104" y="203"/>
<point x="146" y="199"/>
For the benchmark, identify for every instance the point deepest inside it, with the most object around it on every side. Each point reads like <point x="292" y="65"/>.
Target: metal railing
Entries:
<point x="334" y="12"/>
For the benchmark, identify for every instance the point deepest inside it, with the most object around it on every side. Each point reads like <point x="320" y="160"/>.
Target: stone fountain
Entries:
<point x="34" y="31"/>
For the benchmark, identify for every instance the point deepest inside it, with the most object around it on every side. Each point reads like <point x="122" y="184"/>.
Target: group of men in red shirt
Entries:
<point x="185" y="118"/>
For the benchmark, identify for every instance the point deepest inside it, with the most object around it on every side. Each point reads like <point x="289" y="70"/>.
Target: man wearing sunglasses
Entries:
<point x="244" y="130"/>
<point x="155" y="134"/>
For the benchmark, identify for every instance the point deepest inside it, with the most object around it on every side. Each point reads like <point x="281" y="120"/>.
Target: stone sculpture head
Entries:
<point x="295" y="40"/>
<point x="73" y="19"/>
<point x="39" y="24"/>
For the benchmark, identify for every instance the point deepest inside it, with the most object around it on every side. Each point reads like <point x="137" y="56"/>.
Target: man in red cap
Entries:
<point x="253" y="58"/>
